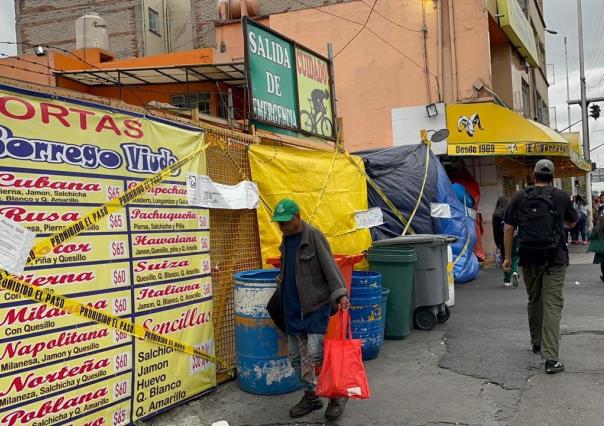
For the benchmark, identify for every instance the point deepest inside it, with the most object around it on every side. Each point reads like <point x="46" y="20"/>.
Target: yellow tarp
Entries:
<point x="301" y="175"/>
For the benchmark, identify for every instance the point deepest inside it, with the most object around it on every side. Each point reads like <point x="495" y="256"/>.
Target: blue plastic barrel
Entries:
<point x="366" y="311"/>
<point x="385" y="294"/>
<point x="261" y="349"/>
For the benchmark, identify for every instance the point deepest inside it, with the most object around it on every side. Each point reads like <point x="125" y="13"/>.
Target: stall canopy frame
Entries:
<point x="231" y="73"/>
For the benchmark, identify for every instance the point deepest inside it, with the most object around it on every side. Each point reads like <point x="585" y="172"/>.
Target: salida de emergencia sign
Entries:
<point x="290" y="86"/>
<point x="272" y="77"/>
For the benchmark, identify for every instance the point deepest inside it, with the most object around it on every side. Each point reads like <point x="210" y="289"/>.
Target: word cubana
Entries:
<point x="138" y="158"/>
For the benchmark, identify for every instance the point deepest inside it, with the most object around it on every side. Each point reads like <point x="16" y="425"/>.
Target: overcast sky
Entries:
<point x="560" y="15"/>
<point x="7" y="26"/>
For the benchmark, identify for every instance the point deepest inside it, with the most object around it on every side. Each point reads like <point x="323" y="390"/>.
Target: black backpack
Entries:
<point x="539" y="223"/>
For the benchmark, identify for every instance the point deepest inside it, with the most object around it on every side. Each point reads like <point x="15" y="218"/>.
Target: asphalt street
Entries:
<point x="476" y="369"/>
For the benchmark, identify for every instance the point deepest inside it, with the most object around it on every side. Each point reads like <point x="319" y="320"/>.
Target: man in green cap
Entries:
<point x="310" y="283"/>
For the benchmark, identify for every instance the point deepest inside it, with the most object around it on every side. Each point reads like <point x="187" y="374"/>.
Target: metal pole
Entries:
<point x="573" y="188"/>
<point x="332" y="86"/>
<point x="584" y="110"/>
<point x="230" y="109"/>
<point x="570" y="125"/>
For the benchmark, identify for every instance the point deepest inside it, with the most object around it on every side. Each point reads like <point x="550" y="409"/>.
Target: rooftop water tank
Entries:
<point x="92" y="31"/>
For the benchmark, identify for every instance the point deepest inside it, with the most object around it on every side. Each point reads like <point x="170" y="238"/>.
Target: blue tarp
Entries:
<point x="460" y="224"/>
<point x="399" y="172"/>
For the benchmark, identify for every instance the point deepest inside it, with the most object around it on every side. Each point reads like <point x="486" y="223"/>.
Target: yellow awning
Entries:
<point x="576" y="156"/>
<point x="487" y="129"/>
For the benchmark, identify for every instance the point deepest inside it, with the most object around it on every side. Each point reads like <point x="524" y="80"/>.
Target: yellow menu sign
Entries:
<point x="148" y="263"/>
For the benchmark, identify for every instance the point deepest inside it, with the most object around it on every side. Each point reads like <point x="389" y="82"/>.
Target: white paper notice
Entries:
<point x="193" y="192"/>
<point x="15" y="244"/>
<point x="202" y="192"/>
<point x="440" y="210"/>
<point x="369" y="218"/>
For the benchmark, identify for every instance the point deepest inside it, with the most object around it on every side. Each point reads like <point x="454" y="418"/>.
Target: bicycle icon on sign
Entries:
<point x="316" y="120"/>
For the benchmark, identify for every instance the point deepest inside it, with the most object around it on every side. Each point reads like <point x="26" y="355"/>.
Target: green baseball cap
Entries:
<point x="285" y="210"/>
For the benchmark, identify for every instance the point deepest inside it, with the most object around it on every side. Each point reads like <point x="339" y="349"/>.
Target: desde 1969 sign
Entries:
<point x="272" y="77"/>
<point x="290" y="86"/>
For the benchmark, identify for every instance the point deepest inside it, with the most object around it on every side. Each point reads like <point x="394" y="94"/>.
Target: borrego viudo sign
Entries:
<point x="290" y="86"/>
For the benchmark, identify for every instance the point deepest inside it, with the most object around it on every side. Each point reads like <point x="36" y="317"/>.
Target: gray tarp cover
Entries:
<point x="399" y="172"/>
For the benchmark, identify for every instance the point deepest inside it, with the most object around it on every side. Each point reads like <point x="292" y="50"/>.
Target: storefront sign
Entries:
<point x="148" y="263"/>
<point x="576" y="152"/>
<point x="487" y="129"/>
<point x="314" y="94"/>
<point x="271" y="66"/>
<point x="290" y="86"/>
<point x="517" y="27"/>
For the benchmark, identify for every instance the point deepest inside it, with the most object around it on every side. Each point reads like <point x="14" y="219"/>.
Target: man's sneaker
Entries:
<point x="515" y="279"/>
<point x="552" y="367"/>
<point x="602" y="278"/>
<point x="335" y="408"/>
<point x="536" y="349"/>
<point x="507" y="284"/>
<point x="308" y="403"/>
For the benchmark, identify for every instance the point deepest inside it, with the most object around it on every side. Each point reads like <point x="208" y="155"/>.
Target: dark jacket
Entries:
<point x="318" y="278"/>
<point x="596" y="242"/>
<point x="498" y="231"/>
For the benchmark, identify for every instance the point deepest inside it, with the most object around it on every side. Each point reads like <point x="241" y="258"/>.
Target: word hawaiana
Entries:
<point x="138" y="158"/>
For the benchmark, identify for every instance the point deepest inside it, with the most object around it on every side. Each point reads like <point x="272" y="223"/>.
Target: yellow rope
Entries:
<point x="426" y="142"/>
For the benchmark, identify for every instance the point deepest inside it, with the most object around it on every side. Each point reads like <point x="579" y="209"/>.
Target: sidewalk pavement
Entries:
<point x="476" y="369"/>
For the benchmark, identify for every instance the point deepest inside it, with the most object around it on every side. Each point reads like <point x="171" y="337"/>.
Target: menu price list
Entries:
<point x="149" y="259"/>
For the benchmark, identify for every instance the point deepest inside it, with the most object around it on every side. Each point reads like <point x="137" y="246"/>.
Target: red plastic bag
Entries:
<point x="343" y="374"/>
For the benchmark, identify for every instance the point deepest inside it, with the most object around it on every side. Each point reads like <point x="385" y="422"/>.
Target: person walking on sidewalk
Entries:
<point x="541" y="212"/>
<point x="310" y="283"/>
<point x="509" y="278"/>
<point x="581" y="227"/>
<point x="596" y="245"/>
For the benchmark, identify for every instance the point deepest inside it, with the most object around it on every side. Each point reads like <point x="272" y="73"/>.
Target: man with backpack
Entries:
<point x="541" y="213"/>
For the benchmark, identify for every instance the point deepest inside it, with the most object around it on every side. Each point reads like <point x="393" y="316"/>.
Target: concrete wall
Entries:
<point x="52" y="22"/>
<point x="30" y="68"/>
<point x="407" y="122"/>
<point x="155" y="41"/>
<point x="180" y="30"/>
<point x="501" y="64"/>
<point x="204" y="35"/>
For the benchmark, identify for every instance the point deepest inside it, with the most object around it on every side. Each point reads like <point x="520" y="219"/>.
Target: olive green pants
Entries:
<point x="544" y="288"/>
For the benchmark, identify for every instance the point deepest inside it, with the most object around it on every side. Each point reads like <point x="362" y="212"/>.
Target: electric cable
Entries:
<point x="359" y="31"/>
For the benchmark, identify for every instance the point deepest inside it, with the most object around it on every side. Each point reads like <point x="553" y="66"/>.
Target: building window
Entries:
<point x="539" y="110"/>
<point x="201" y="101"/>
<point x="154" y="21"/>
<point x="526" y="99"/>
